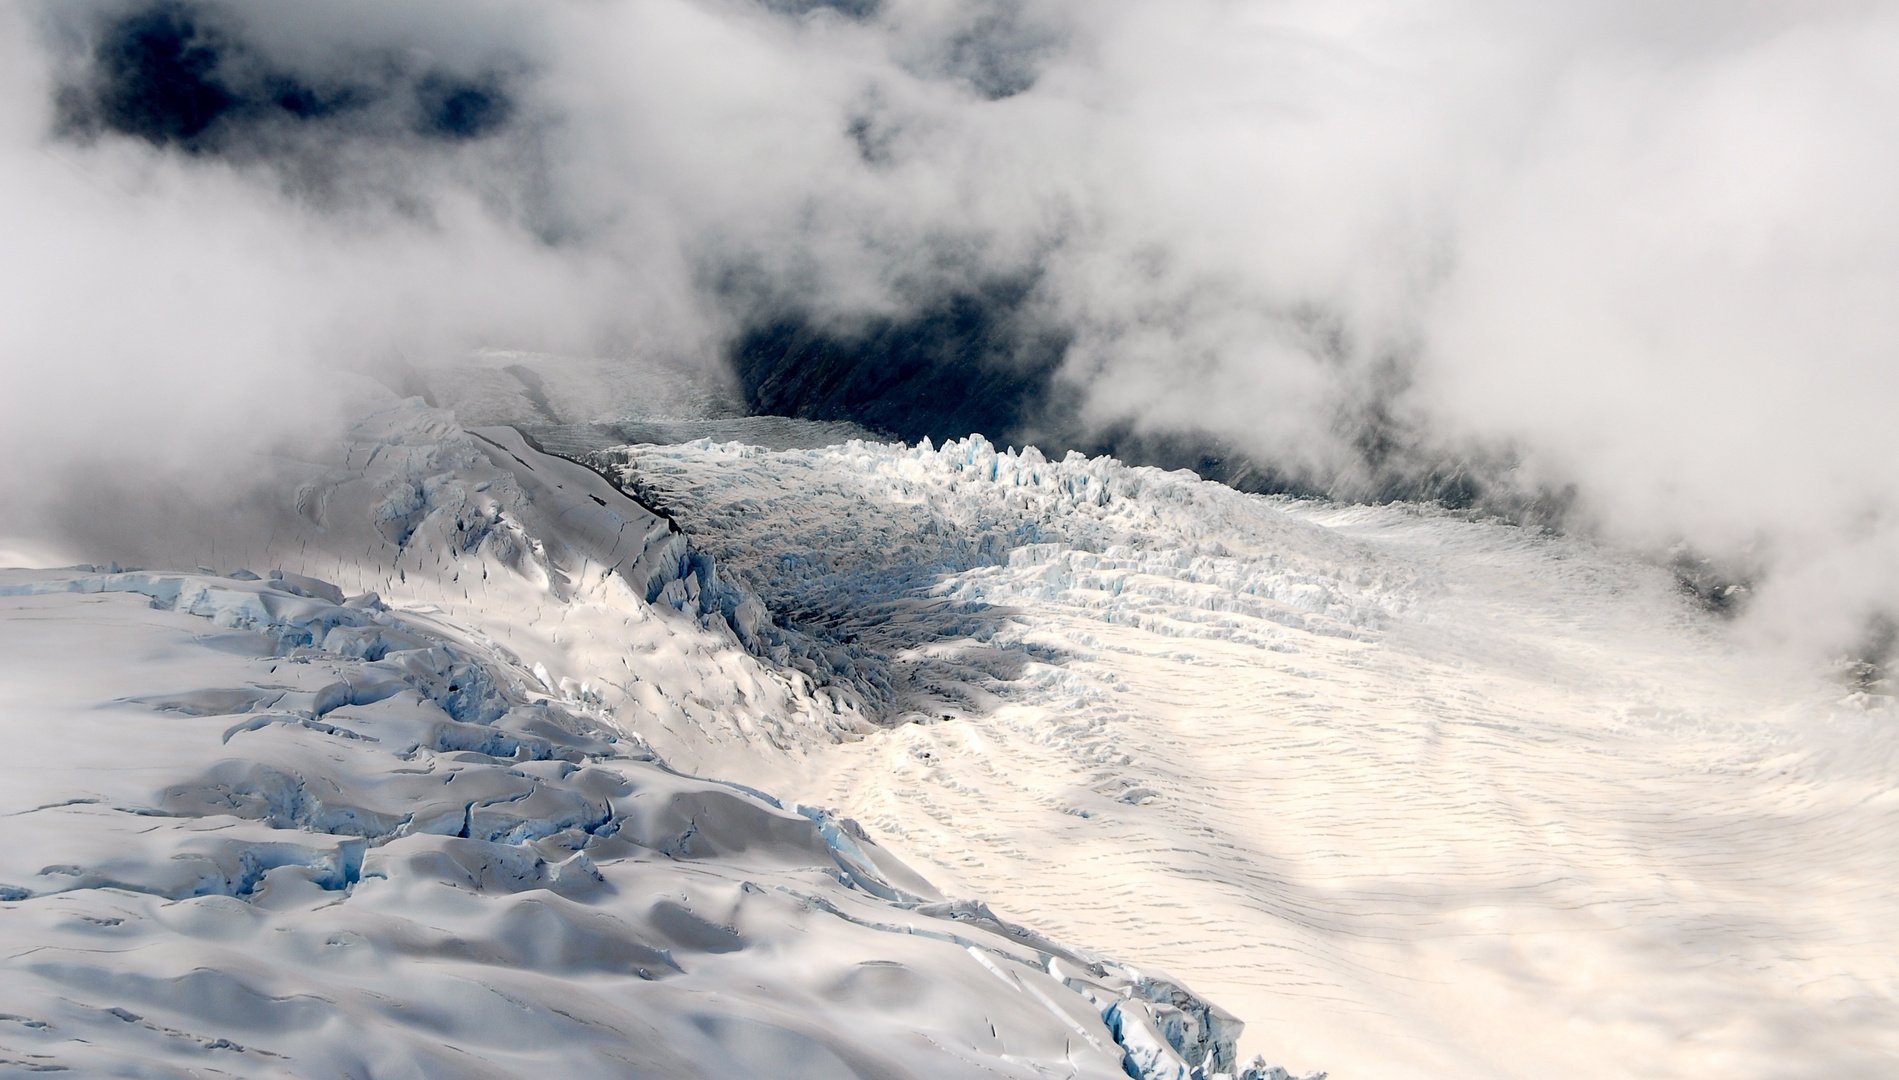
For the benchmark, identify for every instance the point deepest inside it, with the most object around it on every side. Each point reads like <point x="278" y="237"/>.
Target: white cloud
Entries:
<point x="1649" y="247"/>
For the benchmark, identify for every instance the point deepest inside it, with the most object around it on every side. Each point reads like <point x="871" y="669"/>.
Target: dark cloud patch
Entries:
<point x="973" y="362"/>
<point x="874" y="136"/>
<point x="157" y="73"/>
<point x="307" y="103"/>
<point x="458" y="109"/>
<point x="851" y="9"/>
<point x="187" y="76"/>
<point x="999" y="52"/>
<point x="1872" y="664"/>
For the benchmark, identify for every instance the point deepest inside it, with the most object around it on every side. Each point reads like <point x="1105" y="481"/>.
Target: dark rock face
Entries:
<point x="1871" y="666"/>
<point x="982" y="361"/>
<point x="973" y="362"/>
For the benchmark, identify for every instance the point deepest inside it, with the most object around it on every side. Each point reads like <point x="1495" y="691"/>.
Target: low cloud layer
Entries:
<point x="1624" y="262"/>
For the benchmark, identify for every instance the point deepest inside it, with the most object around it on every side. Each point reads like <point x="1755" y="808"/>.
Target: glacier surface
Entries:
<point x="1413" y="795"/>
<point x="442" y="756"/>
<point x="267" y="824"/>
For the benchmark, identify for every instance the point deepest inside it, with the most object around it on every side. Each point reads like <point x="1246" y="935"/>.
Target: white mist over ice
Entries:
<point x="1643" y="250"/>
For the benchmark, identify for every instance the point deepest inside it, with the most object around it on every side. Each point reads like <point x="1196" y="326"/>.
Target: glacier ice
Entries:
<point x="563" y="778"/>
<point x="377" y="821"/>
<point x="1413" y="794"/>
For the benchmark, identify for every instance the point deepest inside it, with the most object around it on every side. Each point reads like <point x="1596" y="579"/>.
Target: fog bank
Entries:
<point x="1621" y="265"/>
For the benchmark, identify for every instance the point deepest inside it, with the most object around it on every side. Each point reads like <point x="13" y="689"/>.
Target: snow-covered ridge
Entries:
<point x="266" y="826"/>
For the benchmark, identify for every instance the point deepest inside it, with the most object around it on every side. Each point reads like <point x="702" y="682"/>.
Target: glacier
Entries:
<point x="281" y="823"/>
<point x="1414" y="795"/>
<point x="799" y="757"/>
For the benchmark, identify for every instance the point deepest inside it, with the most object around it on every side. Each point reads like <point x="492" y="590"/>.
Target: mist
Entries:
<point x="1622" y="268"/>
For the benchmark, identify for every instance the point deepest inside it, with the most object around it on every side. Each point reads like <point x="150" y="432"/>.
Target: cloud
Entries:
<point x="1626" y="263"/>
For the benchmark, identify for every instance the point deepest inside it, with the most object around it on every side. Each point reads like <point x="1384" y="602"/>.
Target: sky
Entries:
<point x="1640" y="255"/>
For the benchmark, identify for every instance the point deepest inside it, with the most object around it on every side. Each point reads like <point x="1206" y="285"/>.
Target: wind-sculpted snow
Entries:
<point x="258" y="825"/>
<point x="1414" y="796"/>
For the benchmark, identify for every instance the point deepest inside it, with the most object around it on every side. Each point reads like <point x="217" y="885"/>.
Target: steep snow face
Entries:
<point x="1414" y="796"/>
<point x="284" y="825"/>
